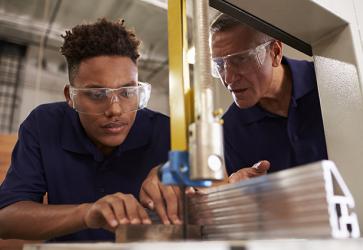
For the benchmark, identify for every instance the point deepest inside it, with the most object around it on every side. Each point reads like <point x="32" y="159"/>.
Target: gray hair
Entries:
<point x="224" y="22"/>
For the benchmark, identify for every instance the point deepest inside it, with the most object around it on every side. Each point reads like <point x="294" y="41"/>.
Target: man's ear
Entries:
<point x="67" y="95"/>
<point x="276" y="50"/>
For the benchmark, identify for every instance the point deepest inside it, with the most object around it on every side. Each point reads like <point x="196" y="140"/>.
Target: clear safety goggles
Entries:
<point x="243" y="62"/>
<point x="96" y="101"/>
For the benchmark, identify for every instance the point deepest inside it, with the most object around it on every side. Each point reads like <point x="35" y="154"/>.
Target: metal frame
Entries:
<point x="330" y="27"/>
<point x="261" y="25"/>
<point x="179" y="87"/>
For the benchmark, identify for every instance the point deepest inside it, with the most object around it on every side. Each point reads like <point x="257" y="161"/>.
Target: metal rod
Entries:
<point x="262" y="25"/>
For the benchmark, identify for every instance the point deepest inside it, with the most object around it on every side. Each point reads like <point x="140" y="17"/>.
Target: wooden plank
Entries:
<point x="7" y="143"/>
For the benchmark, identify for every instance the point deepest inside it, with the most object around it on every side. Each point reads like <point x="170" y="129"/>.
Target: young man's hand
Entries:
<point x="256" y="170"/>
<point x="164" y="200"/>
<point x="113" y="210"/>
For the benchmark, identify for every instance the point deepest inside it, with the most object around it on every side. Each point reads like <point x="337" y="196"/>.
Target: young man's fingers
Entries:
<point x="180" y="207"/>
<point x="161" y="211"/>
<point x="143" y="215"/>
<point x="131" y="207"/>
<point x="108" y="215"/>
<point x="119" y="211"/>
<point x="146" y="200"/>
<point x="154" y="193"/>
<point x="190" y="190"/>
<point x="171" y="200"/>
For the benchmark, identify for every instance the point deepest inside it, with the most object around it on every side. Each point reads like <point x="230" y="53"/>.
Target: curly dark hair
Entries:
<point x="98" y="39"/>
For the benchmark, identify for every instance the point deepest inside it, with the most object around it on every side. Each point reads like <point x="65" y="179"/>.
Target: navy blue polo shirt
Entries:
<point x="254" y="134"/>
<point x="54" y="155"/>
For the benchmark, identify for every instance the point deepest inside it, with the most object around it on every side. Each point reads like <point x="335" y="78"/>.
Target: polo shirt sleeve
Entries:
<point x="25" y="179"/>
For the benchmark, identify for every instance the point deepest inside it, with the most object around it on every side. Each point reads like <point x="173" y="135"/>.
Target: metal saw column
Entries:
<point x="181" y="111"/>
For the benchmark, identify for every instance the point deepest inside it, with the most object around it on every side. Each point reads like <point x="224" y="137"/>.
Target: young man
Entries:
<point x="276" y="112"/>
<point x="91" y="153"/>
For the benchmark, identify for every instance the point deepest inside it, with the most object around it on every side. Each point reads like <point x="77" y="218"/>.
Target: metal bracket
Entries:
<point x="176" y="171"/>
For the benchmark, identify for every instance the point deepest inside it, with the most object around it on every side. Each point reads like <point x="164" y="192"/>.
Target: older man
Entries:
<point x="276" y="112"/>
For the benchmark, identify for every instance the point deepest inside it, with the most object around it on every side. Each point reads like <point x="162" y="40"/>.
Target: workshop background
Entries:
<point x="34" y="72"/>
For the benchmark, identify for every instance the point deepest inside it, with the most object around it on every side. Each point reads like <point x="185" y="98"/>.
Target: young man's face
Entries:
<point x="249" y="87"/>
<point x="109" y="129"/>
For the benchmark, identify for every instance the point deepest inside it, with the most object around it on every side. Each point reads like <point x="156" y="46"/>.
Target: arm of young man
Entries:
<point x="34" y="221"/>
<point x="166" y="200"/>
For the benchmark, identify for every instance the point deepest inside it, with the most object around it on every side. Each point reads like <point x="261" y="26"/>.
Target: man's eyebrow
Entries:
<point x="99" y="85"/>
<point x="129" y="84"/>
<point x="93" y="85"/>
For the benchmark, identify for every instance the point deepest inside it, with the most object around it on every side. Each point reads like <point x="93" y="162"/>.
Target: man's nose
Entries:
<point x="230" y="73"/>
<point x="114" y="98"/>
<point x="114" y="108"/>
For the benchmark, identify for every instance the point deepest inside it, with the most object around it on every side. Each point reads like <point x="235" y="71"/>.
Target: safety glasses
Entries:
<point x="243" y="62"/>
<point x="96" y="101"/>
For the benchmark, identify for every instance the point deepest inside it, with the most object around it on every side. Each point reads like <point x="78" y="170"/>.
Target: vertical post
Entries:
<point x="206" y="142"/>
<point x="179" y="86"/>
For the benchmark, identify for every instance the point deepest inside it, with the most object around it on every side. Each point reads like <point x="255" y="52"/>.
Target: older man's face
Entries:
<point x="248" y="84"/>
